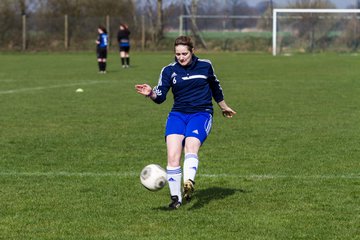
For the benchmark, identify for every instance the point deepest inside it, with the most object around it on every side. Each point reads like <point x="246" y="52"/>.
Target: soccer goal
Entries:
<point x="315" y="30"/>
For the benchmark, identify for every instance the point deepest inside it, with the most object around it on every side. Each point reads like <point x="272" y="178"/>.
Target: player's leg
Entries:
<point x="102" y="55"/>
<point x="104" y="65"/>
<point x="104" y="59"/>
<point x="173" y="169"/>
<point x="127" y="57"/>
<point x="175" y="128"/>
<point x="122" y="56"/>
<point x="99" y="59"/>
<point x="197" y="130"/>
<point x="191" y="163"/>
<point x="100" y="64"/>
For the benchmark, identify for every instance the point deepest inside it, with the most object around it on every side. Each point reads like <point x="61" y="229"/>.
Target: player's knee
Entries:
<point x="174" y="158"/>
<point x="192" y="145"/>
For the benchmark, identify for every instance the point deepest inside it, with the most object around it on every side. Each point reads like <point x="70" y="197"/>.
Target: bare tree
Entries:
<point x="22" y="5"/>
<point x="159" y="21"/>
<point x="151" y="29"/>
<point x="265" y="22"/>
<point x="156" y="24"/>
<point x="194" y="28"/>
<point x="10" y="24"/>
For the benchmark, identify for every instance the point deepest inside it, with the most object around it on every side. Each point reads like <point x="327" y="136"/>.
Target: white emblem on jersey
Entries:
<point x="173" y="77"/>
<point x="194" y="77"/>
<point x="157" y="91"/>
<point x="196" y="131"/>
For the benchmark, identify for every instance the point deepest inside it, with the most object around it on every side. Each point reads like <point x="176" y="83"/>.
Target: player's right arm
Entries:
<point x="97" y="41"/>
<point x="158" y="93"/>
<point x="144" y="89"/>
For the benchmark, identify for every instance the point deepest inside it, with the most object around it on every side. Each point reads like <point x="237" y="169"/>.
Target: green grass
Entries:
<point x="286" y="167"/>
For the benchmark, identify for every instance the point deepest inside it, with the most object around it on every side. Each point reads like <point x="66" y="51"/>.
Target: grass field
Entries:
<point x="286" y="167"/>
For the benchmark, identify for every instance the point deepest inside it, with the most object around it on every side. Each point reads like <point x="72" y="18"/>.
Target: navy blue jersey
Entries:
<point x="103" y="39"/>
<point x="123" y="38"/>
<point x="193" y="86"/>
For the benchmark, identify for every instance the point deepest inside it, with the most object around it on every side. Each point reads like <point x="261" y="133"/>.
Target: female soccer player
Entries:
<point x="101" y="48"/>
<point x="124" y="45"/>
<point x="193" y="84"/>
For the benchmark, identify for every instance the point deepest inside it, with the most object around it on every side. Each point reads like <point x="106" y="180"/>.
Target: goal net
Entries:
<point x="315" y="30"/>
<point x="228" y="33"/>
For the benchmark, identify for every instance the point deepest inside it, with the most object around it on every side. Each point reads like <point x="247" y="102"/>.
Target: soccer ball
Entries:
<point x="153" y="177"/>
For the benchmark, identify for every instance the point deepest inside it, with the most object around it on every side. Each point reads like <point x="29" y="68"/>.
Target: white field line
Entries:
<point x="69" y="174"/>
<point x="49" y="87"/>
<point x="6" y="80"/>
<point x="135" y="174"/>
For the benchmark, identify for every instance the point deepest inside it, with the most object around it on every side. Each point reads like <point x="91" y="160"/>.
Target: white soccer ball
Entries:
<point x="153" y="177"/>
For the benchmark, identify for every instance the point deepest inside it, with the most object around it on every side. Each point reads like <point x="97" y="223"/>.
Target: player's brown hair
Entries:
<point x="102" y="28"/>
<point x="186" y="41"/>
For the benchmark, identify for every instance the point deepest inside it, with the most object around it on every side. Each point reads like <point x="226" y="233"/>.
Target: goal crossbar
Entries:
<point x="299" y="10"/>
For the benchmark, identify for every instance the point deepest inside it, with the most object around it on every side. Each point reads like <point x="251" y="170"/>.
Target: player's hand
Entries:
<point x="228" y="112"/>
<point x="143" y="89"/>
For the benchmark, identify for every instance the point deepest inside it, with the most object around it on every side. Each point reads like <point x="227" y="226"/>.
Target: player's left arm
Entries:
<point x="214" y="84"/>
<point x="218" y="94"/>
<point x="226" y="110"/>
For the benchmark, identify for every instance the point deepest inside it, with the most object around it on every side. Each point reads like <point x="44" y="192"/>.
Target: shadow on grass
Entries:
<point x="203" y="197"/>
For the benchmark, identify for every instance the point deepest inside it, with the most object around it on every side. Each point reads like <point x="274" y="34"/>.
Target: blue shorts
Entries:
<point x="196" y="125"/>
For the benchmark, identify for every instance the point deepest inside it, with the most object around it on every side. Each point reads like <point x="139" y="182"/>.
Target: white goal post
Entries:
<point x="283" y="10"/>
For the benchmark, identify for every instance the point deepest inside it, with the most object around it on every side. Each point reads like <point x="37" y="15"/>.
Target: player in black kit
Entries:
<point x="124" y="45"/>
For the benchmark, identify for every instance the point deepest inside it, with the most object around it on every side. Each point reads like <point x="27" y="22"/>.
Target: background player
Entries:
<point x="124" y="45"/>
<point x="101" y="48"/>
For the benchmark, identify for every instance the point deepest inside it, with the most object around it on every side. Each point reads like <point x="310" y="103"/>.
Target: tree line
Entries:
<point x="148" y="20"/>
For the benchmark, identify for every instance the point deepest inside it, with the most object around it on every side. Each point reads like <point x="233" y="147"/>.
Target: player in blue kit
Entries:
<point x="193" y="85"/>
<point x="101" y="48"/>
